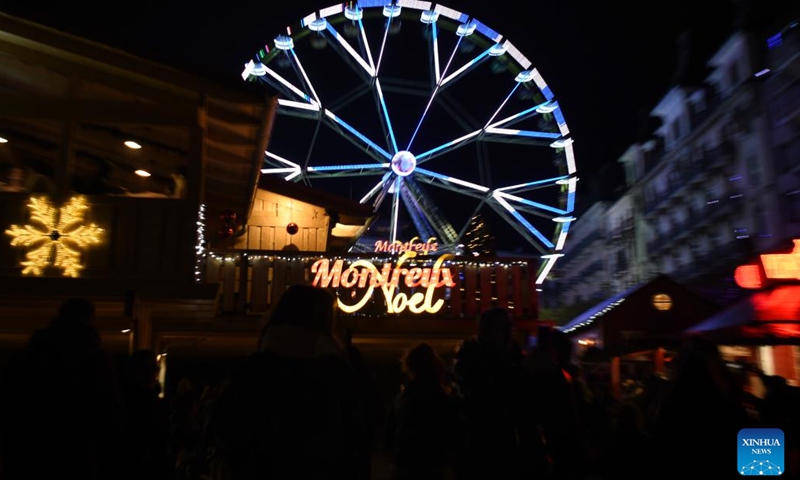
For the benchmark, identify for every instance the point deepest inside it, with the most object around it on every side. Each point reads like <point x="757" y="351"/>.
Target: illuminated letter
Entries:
<point x="323" y="279"/>
<point x="349" y="277"/>
<point x="414" y="277"/>
<point x="354" y="308"/>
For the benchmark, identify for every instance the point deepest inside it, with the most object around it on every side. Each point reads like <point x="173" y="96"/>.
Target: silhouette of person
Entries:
<point x="701" y="414"/>
<point x="63" y="408"/>
<point x="497" y="398"/>
<point x="424" y="430"/>
<point x="557" y="401"/>
<point x="629" y="451"/>
<point x="293" y="410"/>
<point x="145" y="443"/>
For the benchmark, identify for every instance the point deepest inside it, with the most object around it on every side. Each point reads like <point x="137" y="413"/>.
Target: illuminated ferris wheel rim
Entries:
<point x="399" y="164"/>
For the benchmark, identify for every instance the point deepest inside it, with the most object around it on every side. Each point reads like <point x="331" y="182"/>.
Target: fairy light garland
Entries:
<point x="200" y="247"/>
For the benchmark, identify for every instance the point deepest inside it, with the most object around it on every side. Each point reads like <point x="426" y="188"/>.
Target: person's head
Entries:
<point x="495" y="328"/>
<point x="562" y="347"/>
<point x="306" y="307"/>
<point x="422" y="362"/>
<point x="77" y="312"/>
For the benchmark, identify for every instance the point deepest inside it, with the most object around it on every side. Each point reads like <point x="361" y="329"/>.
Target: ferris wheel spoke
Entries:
<point x="455" y="184"/>
<point x="387" y="27"/>
<point x="355" y="170"/>
<point x="522" y="221"/>
<point x="386" y="122"/>
<point x="427" y="213"/>
<point x="303" y="75"/>
<point x="349" y="53"/>
<point x="290" y="108"/>
<point x="348" y="98"/>
<point x="545" y="107"/>
<point x="511" y="135"/>
<point x="395" y="208"/>
<point x="278" y="82"/>
<point x="434" y="55"/>
<point x="375" y="189"/>
<point x="437" y="74"/>
<point x="422" y="225"/>
<point x="466" y="68"/>
<point x="446" y="147"/>
<point x="280" y="165"/>
<point x="536" y="206"/>
<point x="372" y="149"/>
<point x="518" y="223"/>
<point x="527" y="186"/>
<point x="385" y="189"/>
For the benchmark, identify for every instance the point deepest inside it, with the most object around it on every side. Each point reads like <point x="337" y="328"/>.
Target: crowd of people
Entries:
<point x="301" y="407"/>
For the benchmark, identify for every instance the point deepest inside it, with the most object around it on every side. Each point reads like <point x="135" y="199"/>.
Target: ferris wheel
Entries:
<point x="424" y="113"/>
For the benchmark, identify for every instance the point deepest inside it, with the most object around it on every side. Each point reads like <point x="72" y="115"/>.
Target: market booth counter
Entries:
<point x="639" y="328"/>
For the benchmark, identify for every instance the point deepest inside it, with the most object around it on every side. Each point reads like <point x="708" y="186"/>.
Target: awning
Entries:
<point x="769" y="316"/>
<point x="588" y="317"/>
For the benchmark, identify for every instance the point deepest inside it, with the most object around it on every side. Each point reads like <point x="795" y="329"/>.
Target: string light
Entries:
<point x="57" y="238"/>
<point x="200" y="247"/>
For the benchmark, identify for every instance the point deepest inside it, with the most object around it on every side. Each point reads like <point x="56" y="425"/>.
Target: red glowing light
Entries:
<point x="776" y="266"/>
<point x="748" y="276"/>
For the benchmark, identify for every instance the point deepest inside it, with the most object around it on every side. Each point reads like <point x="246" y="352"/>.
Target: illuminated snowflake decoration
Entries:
<point x="55" y="236"/>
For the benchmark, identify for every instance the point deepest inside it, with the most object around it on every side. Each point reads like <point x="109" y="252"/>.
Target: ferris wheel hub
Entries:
<point x="404" y="163"/>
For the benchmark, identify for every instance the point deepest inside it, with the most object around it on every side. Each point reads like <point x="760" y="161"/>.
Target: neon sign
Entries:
<point x="383" y="246"/>
<point x="774" y="266"/>
<point x="363" y="274"/>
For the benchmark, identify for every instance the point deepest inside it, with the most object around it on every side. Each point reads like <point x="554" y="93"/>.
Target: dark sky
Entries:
<point x="607" y="62"/>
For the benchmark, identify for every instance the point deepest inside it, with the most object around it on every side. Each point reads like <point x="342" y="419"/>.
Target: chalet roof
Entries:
<point x="51" y="79"/>
<point x="630" y="318"/>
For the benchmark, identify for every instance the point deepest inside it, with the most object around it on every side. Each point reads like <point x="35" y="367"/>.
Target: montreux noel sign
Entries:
<point x="773" y="267"/>
<point x="365" y="275"/>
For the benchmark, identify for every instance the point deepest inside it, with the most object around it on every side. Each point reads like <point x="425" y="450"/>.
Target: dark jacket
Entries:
<point x="424" y="432"/>
<point x="62" y="409"/>
<point x="292" y="411"/>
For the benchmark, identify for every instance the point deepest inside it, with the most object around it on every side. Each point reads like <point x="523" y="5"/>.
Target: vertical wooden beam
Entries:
<point x="616" y="391"/>
<point x="532" y="305"/>
<point x="658" y="360"/>
<point x="143" y="330"/>
<point x="456" y="297"/>
<point x="259" y="298"/>
<point x="470" y="287"/>
<point x="244" y="274"/>
<point x="487" y="292"/>
<point x="516" y="290"/>
<point x="501" y="285"/>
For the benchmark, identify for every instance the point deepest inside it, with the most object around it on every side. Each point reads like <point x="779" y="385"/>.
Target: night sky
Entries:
<point x="608" y="63"/>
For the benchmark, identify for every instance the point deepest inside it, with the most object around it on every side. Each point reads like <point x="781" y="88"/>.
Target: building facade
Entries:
<point x="715" y="184"/>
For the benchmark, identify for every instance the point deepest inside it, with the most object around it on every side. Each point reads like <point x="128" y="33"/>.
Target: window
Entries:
<point x="791" y="206"/>
<point x="754" y="170"/>
<point x="733" y="74"/>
